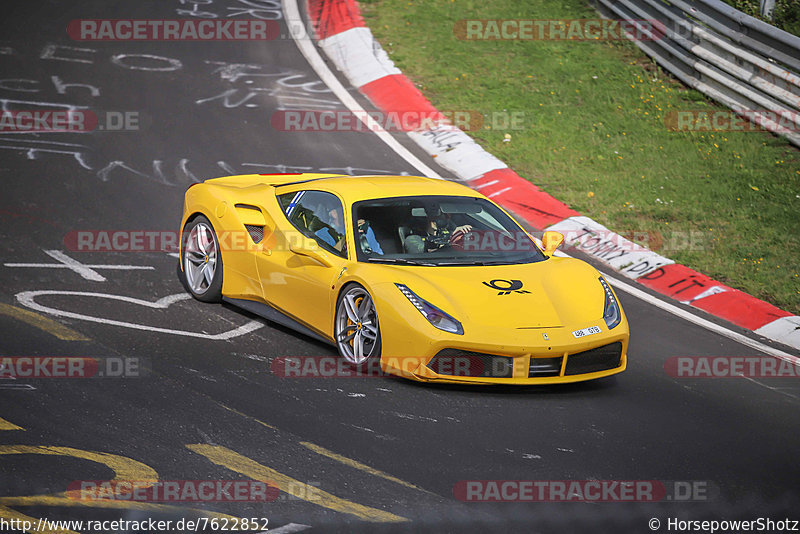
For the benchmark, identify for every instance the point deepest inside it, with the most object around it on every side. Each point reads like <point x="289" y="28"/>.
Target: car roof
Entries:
<point x="350" y="188"/>
<point x="355" y="188"/>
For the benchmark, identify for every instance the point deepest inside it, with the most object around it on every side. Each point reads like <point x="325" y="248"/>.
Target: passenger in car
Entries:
<point x="366" y="236"/>
<point x="332" y="231"/>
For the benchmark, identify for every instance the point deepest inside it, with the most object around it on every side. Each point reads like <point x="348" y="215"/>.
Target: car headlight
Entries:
<point x="611" y="311"/>
<point x="434" y="315"/>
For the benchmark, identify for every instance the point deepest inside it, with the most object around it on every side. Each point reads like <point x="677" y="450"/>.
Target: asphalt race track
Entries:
<point x="352" y="454"/>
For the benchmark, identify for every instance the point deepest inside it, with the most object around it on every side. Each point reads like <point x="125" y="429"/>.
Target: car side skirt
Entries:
<point x="276" y="316"/>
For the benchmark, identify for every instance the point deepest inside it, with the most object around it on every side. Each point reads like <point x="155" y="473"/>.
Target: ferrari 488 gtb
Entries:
<point x="425" y="278"/>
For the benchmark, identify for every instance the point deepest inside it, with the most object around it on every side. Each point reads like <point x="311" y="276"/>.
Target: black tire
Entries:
<point x="196" y="268"/>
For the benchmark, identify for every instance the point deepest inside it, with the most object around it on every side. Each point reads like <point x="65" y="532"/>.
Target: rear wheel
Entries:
<point x="202" y="261"/>
<point x="358" y="336"/>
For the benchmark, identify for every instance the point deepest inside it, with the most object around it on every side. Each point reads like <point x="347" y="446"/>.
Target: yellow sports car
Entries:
<point x="416" y="277"/>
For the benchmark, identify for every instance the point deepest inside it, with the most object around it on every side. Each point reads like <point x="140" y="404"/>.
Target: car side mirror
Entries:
<point x="551" y="241"/>
<point x="312" y="250"/>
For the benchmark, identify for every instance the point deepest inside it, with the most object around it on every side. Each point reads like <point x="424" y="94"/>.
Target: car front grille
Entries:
<point x="594" y="360"/>
<point x="545" y="367"/>
<point x="455" y="362"/>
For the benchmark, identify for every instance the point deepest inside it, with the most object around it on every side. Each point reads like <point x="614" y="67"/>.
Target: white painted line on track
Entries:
<point x="773" y="389"/>
<point x="28" y="298"/>
<point x="88" y="272"/>
<point x="76" y="266"/>
<point x="499" y="192"/>
<point x="486" y="184"/>
<point x="17" y="387"/>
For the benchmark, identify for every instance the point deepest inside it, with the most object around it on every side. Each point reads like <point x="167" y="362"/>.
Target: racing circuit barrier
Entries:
<point x="737" y="60"/>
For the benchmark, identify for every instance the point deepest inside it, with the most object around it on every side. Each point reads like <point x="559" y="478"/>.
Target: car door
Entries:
<point x="298" y="272"/>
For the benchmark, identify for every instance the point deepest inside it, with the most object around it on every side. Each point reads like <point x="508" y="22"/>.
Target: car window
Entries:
<point x="318" y="215"/>
<point x="439" y="230"/>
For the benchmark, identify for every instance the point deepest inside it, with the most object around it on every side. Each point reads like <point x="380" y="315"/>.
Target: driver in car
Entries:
<point x="440" y="232"/>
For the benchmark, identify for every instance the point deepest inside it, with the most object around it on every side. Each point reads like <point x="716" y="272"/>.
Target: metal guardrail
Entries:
<point x="742" y="62"/>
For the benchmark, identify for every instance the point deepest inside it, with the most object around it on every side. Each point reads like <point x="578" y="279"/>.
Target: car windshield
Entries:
<point x="439" y="230"/>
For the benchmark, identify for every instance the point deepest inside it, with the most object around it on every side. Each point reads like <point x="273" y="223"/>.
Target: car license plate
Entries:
<point x="586" y="331"/>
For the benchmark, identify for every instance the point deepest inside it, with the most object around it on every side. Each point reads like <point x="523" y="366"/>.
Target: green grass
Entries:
<point x="595" y="138"/>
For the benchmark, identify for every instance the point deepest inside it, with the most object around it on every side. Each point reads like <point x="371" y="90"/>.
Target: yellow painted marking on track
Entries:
<point x="8" y="425"/>
<point x="9" y="514"/>
<point x="241" y="464"/>
<point x="358" y="465"/>
<point x="125" y="469"/>
<point x="42" y="323"/>
<point x="237" y="412"/>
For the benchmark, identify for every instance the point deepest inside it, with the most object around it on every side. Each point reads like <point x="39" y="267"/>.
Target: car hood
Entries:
<point x="557" y="292"/>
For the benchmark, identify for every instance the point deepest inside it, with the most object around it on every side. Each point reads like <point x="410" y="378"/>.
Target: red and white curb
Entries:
<point x="342" y="35"/>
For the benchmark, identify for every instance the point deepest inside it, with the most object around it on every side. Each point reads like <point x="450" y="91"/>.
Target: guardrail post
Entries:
<point x="767" y="7"/>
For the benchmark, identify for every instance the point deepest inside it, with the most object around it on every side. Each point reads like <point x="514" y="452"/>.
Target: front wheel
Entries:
<point x="202" y="261"/>
<point x="358" y="335"/>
